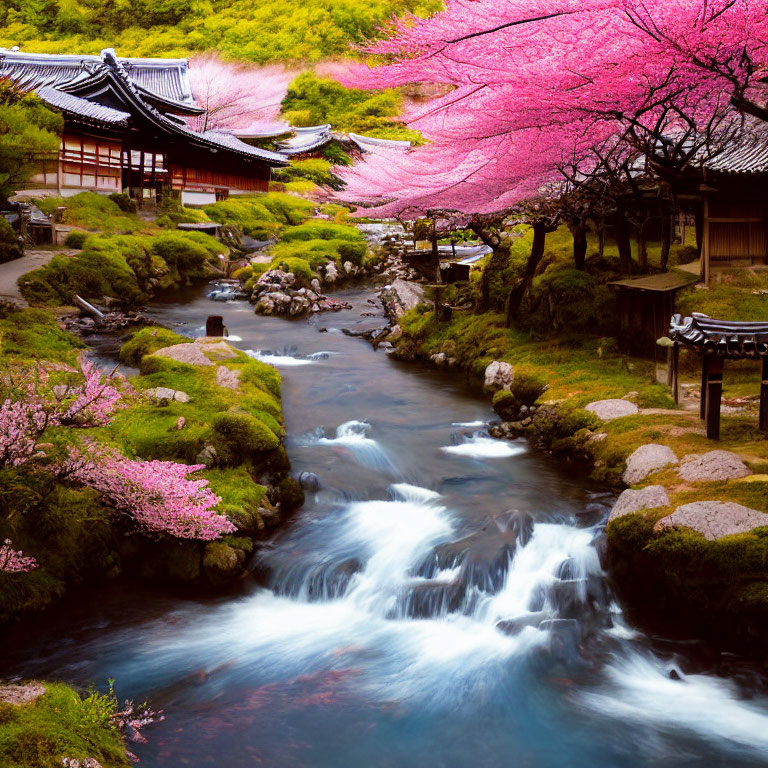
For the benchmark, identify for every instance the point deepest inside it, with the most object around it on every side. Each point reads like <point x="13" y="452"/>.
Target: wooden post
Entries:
<point x="714" y="395"/>
<point x="704" y="369"/>
<point x="673" y="363"/>
<point x="764" y="396"/>
<point x="214" y="326"/>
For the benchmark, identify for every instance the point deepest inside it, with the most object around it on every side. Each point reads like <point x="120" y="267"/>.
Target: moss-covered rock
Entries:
<point x="222" y="563"/>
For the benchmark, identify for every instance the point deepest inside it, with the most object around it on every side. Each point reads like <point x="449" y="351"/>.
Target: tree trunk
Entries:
<point x="642" y="247"/>
<point x="436" y="255"/>
<point x="517" y="294"/>
<point x="495" y="263"/>
<point x="579" y="233"/>
<point x="601" y="238"/>
<point x="699" y="228"/>
<point x="666" y="239"/>
<point x="621" y="227"/>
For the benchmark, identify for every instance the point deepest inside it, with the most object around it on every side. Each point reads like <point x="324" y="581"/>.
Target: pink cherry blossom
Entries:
<point x="13" y="560"/>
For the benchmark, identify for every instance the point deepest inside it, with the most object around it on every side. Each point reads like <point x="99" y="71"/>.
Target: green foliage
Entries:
<point x="314" y="170"/>
<point x="733" y="295"/>
<point x="28" y="131"/>
<point x="319" y="242"/>
<point x="312" y="100"/>
<point x="60" y="723"/>
<point x="567" y="298"/>
<point x="95" y="212"/>
<point x="146" y="341"/>
<point x="300" y="268"/>
<point x="34" y="334"/>
<point x="9" y="244"/>
<point x="76" y="239"/>
<point x="261" y="216"/>
<point x="124" y="202"/>
<point x="125" y="267"/>
<point x="527" y="388"/>
<point x="262" y="32"/>
<point x="240" y="434"/>
<point x="322" y="230"/>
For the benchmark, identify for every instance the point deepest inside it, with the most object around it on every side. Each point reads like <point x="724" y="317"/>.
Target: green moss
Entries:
<point x="60" y="723"/>
<point x="146" y="341"/>
<point x="299" y="267"/>
<point x="34" y="334"/>
<point x="240" y="434"/>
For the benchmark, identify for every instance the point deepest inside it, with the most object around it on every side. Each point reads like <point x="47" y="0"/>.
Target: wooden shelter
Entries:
<point x="125" y="130"/>
<point x="718" y="340"/>
<point x="645" y="305"/>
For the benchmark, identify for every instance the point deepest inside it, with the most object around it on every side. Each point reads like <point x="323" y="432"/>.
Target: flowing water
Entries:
<point x="438" y="602"/>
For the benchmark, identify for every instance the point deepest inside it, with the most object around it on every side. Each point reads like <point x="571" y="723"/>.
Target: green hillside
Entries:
<point x="259" y="31"/>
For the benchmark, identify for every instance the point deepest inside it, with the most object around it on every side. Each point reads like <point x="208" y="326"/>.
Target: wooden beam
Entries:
<point x="714" y="396"/>
<point x="763" y="426"/>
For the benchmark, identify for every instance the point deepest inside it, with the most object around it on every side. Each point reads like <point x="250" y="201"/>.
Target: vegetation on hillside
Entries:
<point x="261" y="32"/>
<point x="28" y="130"/>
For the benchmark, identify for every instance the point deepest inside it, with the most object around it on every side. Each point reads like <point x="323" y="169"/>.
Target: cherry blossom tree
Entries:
<point x="157" y="495"/>
<point x="237" y="97"/>
<point x="535" y="87"/>
<point x="13" y="560"/>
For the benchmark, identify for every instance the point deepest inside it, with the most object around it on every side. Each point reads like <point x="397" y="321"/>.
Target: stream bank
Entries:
<point x="438" y="599"/>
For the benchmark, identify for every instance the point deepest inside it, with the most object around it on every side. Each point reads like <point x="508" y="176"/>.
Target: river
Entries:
<point x="375" y="640"/>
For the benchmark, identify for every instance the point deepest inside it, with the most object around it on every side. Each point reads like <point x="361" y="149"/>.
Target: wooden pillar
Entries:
<point x="214" y="326"/>
<point x="714" y="395"/>
<point x="764" y="395"/>
<point x="703" y="399"/>
<point x="673" y="366"/>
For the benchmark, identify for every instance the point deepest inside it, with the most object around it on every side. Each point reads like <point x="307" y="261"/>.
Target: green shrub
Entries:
<point x="505" y="404"/>
<point x="354" y="252"/>
<point x="241" y="434"/>
<point x="76" y="239"/>
<point x="9" y="242"/>
<point x="124" y="202"/>
<point x="527" y="388"/>
<point x="299" y="267"/>
<point x="321" y="230"/>
<point x="60" y="723"/>
<point x="180" y="252"/>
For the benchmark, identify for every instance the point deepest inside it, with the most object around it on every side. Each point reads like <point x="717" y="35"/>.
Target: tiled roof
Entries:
<point x="229" y="141"/>
<point x="167" y="78"/>
<point x="749" y="155"/>
<point x="723" y="337"/>
<point x="365" y="141"/>
<point x="306" y="140"/>
<point x="74" y="105"/>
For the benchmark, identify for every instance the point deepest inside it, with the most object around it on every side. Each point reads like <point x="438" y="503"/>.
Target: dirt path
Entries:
<point x="11" y="271"/>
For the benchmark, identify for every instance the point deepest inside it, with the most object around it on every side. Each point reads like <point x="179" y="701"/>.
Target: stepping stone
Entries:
<point x="612" y="409"/>
<point x="166" y="393"/>
<point x="712" y="466"/>
<point x="190" y="353"/>
<point x="647" y="459"/>
<point x="713" y="519"/>
<point x="652" y="497"/>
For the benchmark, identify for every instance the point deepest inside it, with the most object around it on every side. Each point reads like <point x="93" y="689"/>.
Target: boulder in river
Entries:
<point x="498" y="375"/>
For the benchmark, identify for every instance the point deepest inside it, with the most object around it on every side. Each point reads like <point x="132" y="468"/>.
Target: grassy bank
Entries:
<point x="60" y="724"/>
<point x="231" y="421"/>
<point x="670" y="579"/>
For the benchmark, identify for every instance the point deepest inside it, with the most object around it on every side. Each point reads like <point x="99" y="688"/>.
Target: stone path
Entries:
<point x="11" y="271"/>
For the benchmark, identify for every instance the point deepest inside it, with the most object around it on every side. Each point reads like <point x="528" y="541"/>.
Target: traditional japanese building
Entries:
<point x="125" y="130"/>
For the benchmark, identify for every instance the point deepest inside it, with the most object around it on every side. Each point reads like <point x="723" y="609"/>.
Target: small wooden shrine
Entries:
<point x="716" y="341"/>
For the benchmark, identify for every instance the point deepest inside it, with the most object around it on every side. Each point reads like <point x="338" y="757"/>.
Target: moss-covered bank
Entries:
<point x="230" y="420"/>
